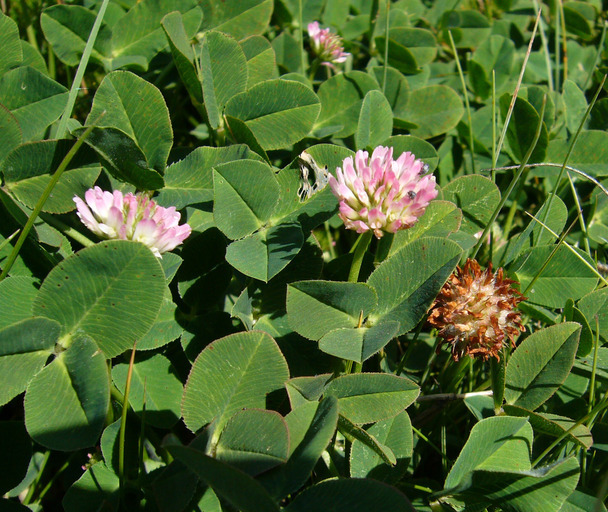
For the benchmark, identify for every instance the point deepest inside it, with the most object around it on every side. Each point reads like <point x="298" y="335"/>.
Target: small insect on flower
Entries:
<point x="314" y="178"/>
<point x="326" y="45"/>
<point x="380" y="193"/>
<point x="132" y="217"/>
<point x="475" y="312"/>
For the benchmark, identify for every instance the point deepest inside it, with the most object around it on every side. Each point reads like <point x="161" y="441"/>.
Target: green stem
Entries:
<point x="494" y="154"/>
<point x="594" y="368"/>
<point x="386" y="32"/>
<point x="569" y="152"/>
<point x="32" y="490"/>
<point x="123" y="422"/>
<point x="67" y="230"/>
<point x="602" y="405"/>
<point x="54" y="478"/>
<point x="581" y="218"/>
<point x="598" y="54"/>
<point x="498" y="372"/>
<point x="373" y="18"/>
<point x="557" y="51"/>
<point x="513" y="209"/>
<point x="430" y="443"/>
<point x="545" y="45"/>
<point x="313" y="69"/>
<point x="31" y="36"/>
<point x="564" y="41"/>
<point x="45" y="195"/>
<point x="515" y="180"/>
<point x="8" y="240"/>
<point x="503" y="134"/>
<point x="51" y="63"/>
<point x="466" y="101"/>
<point x="457" y="372"/>
<point x="67" y="112"/>
<point x="348" y="366"/>
<point x="429" y="366"/>
<point x="361" y="246"/>
<point x="549" y="258"/>
<point x="330" y="241"/>
<point x="409" y="349"/>
<point x="301" y="30"/>
<point x="444" y="444"/>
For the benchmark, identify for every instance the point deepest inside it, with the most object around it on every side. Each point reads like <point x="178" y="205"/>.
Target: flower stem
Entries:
<point x="67" y="230"/>
<point x="313" y="70"/>
<point x="498" y="373"/>
<point x="40" y="204"/>
<point x="360" y="247"/>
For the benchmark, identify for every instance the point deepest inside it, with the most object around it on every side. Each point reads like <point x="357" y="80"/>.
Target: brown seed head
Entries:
<point x="475" y="312"/>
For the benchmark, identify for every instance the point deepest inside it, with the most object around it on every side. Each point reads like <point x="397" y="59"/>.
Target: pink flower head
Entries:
<point x="380" y="193"/>
<point x="326" y="45"/>
<point x="132" y="217"/>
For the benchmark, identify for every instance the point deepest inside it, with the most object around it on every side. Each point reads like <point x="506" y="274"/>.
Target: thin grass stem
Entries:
<point x="82" y="66"/>
<point x="514" y="181"/>
<point x="31" y="492"/>
<point x="430" y="443"/>
<point x="409" y="349"/>
<point x="373" y="19"/>
<point x="40" y="204"/>
<point x="557" y="56"/>
<point x="8" y="240"/>
<point x="301" y="31"/>
<point x="466" y="101"/>
<point x="51" y="62"/>
<point x="601" y="405"/>
<point x="579" y="213"/>
<point x="55" y="476"/>
<point x="571" y="148"/>
<point x="545" y="45"/>
<point x="550" y="164"/>
<point x="594" y="367"/>
<point x="123" y="422"/>
<point x="494" y="125"/>
<point x="598" y="54"/>
<point x="595" y="271"/>
<point x="564" y="41"/>
<point x="549" y="258"/>
<point x="386" y="31"/>
<point x="448" y="397"/>
<point x="516" y="91"/>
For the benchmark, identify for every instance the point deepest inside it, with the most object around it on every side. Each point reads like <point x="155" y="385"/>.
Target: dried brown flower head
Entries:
<point x="475" y="311"/>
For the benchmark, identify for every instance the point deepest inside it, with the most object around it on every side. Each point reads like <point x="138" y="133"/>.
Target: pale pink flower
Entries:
<point x="132" y="217"/>
<point x="380" y="193"/>
<point x="326" y="45"/>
